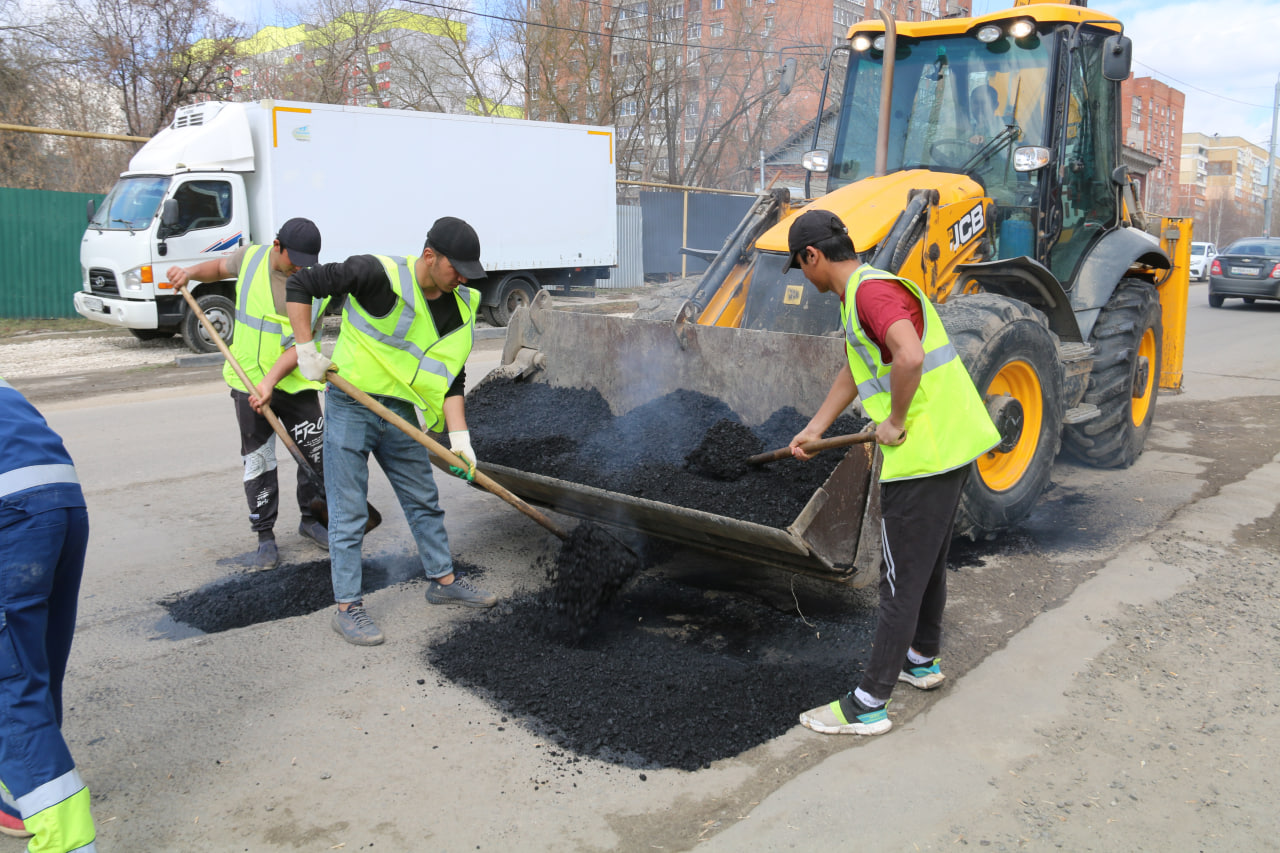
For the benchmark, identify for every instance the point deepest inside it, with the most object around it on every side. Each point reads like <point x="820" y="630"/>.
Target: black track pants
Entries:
<point x="917" y="518"/>
<point x="301" y="416"/>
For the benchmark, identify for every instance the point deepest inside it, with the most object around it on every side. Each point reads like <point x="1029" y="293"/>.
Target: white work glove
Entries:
<point x="312" y="363"/>
<point x="460" y="444"/>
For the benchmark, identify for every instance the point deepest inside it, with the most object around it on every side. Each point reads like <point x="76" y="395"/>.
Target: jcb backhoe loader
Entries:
<point x="979" y="157"/>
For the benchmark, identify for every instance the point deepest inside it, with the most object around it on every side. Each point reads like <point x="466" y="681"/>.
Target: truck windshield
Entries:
<point x="131" y="204"/>
<point x="958" y="105"/>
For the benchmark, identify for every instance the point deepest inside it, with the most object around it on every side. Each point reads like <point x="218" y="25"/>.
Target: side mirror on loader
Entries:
<point x="787" y="76"/>
<point x="1117" y="57"/>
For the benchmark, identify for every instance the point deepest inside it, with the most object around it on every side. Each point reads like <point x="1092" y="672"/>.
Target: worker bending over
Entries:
<point x="262" y="343"/>
<point x="930" y="424"/>
<point x="44" y="531"/>
<point x="406" y="334"/>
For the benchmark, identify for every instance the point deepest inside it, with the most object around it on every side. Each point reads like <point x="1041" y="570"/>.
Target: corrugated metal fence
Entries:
<point x="40" y="235"/>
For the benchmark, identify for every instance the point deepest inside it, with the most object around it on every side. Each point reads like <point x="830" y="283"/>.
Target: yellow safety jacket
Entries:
<point x="262" y="335"/>
<point x="947" y="423"/>
<point x="402" y="355"/>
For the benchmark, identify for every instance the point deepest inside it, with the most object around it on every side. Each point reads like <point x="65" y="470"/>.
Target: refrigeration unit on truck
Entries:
<point x="541" y="195"/>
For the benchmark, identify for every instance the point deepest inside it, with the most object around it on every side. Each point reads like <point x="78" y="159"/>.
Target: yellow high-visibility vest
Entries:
<point x="261" y="334"/>
<point x="402" y="355"/>
<point x="947" y="423"/>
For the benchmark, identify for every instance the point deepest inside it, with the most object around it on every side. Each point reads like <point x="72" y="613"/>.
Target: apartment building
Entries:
<point x="392" y="58"/>
<point x="1151" y="122"/>
<point x="1223" y="179"/>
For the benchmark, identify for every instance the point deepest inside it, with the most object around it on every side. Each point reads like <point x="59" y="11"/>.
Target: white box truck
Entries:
<point x="541" y="195"/>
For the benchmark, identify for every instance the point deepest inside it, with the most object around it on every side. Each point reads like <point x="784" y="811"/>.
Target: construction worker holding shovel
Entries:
<point x="931" y="424"/>
<point x="262" y="344"/>
<point x="406" y="334"/>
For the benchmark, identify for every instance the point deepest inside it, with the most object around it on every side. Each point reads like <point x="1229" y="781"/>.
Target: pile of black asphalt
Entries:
<point x="685" y="448"/>
<point x="631" y="667"/>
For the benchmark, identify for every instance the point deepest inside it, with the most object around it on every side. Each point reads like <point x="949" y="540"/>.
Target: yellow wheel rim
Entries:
<point x="1141" y="404"/>
<point x="1000" y="470"/>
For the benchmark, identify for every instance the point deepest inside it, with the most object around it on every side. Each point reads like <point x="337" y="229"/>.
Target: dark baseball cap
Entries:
<point x="302" y="238"/>
<point x="457" y="241"/>
<point x="811" y="228"/>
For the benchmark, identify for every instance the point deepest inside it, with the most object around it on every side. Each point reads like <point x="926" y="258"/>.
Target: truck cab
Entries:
<point x="127" y="249"/>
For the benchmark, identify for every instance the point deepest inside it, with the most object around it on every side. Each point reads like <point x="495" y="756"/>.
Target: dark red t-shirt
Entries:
<point x="881" y="304"/>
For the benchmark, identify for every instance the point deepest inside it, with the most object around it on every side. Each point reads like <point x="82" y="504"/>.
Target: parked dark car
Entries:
<point x="1248" y="268"/>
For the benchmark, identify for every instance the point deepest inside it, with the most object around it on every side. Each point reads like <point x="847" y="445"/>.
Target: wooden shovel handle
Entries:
<point x="418" y="435"/>
<point x="813" y="447"/>
<point x="287" y="439"/>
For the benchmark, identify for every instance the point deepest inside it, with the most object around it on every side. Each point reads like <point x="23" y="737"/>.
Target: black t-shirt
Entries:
<point x="364" y="279"/>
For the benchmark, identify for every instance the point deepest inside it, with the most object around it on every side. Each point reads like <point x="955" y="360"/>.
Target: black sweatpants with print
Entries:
<point x="917" y="517"/>
<point x="302" y="418"/>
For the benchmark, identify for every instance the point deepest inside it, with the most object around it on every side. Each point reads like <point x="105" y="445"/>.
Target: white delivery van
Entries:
<point x="1202" y="255"/>
<point x="541" y="195"/>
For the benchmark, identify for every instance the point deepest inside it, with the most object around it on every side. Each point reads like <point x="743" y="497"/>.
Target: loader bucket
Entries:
<point x="630" y="362"/>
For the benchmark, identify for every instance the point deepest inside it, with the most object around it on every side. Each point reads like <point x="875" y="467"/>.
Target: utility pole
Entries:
<point x="1271" y="164"/>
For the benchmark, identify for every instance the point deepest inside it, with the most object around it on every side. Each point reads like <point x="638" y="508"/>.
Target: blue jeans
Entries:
<point x="351" y="433"/>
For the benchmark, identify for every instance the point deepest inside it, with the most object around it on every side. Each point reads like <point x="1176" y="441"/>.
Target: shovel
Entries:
<point x="318" y="505"/>
<point x="812" y="447"/>
<point x="481" y="479"/>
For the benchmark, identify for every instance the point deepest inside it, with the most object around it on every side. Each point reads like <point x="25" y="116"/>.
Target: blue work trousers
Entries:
<point x="42" y="549"/>
<point x="351" y="433"/>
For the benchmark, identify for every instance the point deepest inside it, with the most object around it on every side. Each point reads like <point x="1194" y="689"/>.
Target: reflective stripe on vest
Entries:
<point x="402" y="354"/>
<point x="947" y="423"/>
<point x="21" y="479"/>
<point x="259" y="341"/>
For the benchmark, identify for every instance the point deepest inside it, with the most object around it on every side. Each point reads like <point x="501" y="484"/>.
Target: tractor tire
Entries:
<point x="1012" y="357"/>
<point x="221" y="312"/>
<point x="513" y="293"/>
<point x="1125" y="379"/>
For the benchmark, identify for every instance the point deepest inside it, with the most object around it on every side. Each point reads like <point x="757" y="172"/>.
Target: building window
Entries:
<point x="717" y="4"/>
<point x="691" y="109"/>
<point x="717" y="30"/>
<point x="715" y="110"/>
<point x="1136" y="116"/>
<point x="690" y="134"/>
<point x="695" y="32"/>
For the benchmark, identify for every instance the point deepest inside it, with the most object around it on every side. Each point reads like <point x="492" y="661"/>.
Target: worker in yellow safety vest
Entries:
<point x="262" y="343"/>
<point x="407" y="328"/>
<point x="930" y="425"/>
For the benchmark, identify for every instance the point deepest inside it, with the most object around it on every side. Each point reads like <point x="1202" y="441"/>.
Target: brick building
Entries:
<point x="1151" y="122"/>
<point x="691" y="85"/>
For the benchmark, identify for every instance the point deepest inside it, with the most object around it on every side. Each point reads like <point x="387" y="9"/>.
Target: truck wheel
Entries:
<point x="153" y="334"/>
<point x="222" y="316"/>
<point x="1012" y="358"/>
<point x="1124" y="381"/>
<point x="513" y="293"/>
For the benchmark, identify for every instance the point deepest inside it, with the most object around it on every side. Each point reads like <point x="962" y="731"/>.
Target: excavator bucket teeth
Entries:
<point x="631" y="362"/>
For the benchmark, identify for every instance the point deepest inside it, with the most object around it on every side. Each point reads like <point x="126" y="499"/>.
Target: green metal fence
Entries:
<point x="40" y="235"/>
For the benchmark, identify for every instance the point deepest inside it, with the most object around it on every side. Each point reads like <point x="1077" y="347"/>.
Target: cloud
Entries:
<point x="1221" y="55"/>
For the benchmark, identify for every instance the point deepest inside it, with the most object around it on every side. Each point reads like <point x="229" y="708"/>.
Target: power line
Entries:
<point x="529" y="23"/>
<point x="1198" y="89"/>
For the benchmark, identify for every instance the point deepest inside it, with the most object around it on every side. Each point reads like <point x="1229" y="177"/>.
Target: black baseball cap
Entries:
<point x="302" y="238"/>
<point x="809" y="229"/>
<point x="457" y="241"/>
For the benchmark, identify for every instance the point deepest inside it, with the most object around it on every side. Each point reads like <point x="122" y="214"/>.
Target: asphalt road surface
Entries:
<point x="1110" y="663"/>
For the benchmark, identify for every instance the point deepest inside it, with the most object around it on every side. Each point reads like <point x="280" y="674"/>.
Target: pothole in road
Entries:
<point x="247" y="598"/>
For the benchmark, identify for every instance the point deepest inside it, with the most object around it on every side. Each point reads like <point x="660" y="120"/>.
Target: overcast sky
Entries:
<point x="1221" y="55"/>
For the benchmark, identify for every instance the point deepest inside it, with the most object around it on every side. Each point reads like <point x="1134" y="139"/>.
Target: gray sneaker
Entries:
<point x="316" y="532"/>
<point x="461" y="591"/>
<point x="267" y="557"/>
<point x="356" y="626"/>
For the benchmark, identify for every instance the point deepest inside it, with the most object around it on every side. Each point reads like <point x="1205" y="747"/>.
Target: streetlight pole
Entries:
<point x="1271" y="164"/>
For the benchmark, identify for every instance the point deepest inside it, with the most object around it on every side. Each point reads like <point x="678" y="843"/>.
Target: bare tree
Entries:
<point x="156" y="55"/>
